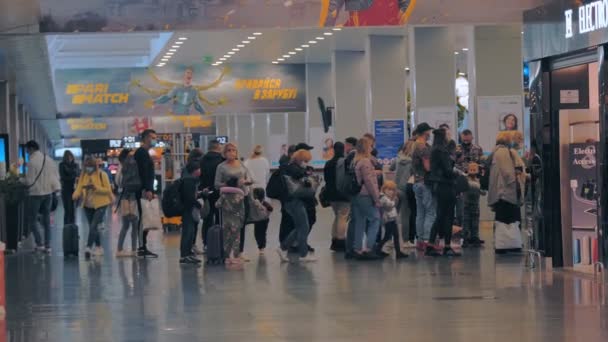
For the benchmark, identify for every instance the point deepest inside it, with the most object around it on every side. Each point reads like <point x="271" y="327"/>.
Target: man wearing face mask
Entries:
<point x="145" y="166"/>
<point x="466" y="152"/>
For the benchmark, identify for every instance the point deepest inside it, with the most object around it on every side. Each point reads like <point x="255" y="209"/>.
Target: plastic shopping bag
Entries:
<point x="150" y="212"/>
<point x="507" y="236"/>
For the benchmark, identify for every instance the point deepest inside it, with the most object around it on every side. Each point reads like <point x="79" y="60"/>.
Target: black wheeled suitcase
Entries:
<point x="70" y="240"/>
<point x="215" y="244"/>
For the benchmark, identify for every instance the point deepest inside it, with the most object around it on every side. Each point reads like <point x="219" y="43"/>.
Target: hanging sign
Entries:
<point x="590" y="17"/>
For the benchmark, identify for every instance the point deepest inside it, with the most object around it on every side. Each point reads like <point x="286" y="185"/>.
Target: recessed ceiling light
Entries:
<point x="292" y="53"/>
<point x="461" y="74"/>
<point x="240" y="45"/>
<point x="465" y="49"/>
<point x="183" y="38"/>
<point x="337" y="29"/>
<point x="298" y="49"/>
<point x="175" y="46"/>
<point x="222" y="59"/>
<point x="286" y="56"/>
<point x="235" y="49"/>
<point x="257" y="33"/>
<point x="164" y="59"/>
<point x="320" y="38"/>
<point x="456" y="53"/>
<point x="160" y="64"/>
<point x="218" y="63"/>
<point x="226" y="56"/>
<point x="169" y="53"/>
<point x="407" y="69"/>
<point x="179" y="43"/>
<point x="172" y="50"/>
<point x="305" y="45"/>
<point x="251" y="38"/>
<point x="280" y="59"/>
<point x="312" y="42"/>
<point x="231" y="53"/>
<point x="246" y="42"/>
<point x="275" y="62"/>
<point x="328" y="33"/>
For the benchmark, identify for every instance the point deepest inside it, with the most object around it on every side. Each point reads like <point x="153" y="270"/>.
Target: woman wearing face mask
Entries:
<point x="68" y="172"/>
<point x="296" y="206"/>
<point x="96" y="193"/>
<point x="233" y="168"/>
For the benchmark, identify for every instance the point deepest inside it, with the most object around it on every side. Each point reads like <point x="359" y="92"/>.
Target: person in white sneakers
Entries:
<point x="96" y="193"/>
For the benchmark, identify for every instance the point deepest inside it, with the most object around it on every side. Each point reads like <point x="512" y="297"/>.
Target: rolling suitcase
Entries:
<point x="215" y="244"/>
<point x="70" y="240"/>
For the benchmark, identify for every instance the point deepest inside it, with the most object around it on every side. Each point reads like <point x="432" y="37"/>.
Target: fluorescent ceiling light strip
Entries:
<point x="257" y="33"/>
<point x="183" y="38"/>
<point x="240" y="46"/>
<point x="298" y="49"/>
<point x="328" y="33"/>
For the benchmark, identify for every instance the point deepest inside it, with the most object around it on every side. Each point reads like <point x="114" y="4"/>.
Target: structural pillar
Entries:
<point x="387" y="61"/>
<point x="14" y="128"/>
<point x="434" y="75"/>
<point x="349" y="81"/>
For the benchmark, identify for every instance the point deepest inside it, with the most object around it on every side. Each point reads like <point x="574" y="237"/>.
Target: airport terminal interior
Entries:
<point x="310" y="170"/>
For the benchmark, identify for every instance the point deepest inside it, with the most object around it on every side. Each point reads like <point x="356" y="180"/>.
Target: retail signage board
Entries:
<point x="590" y="17"/>
<point x="390" y="136"/>
<point x="180" y="90"/>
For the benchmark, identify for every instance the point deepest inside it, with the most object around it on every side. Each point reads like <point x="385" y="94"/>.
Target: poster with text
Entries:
<point x="390" y="136"/>
<point x="180" y="90"/>
<point x="495" y="114"/>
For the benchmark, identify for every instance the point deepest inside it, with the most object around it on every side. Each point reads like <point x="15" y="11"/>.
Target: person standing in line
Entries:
<point x="470" y="222"/>
<point x="209" y="163"/>
<point x="127" y="202"/>
<point x="286" y="158"/>
<point x="389" y="200"/>
<point x="68" y="172"/>
<point x="145" y="166"/>
<point x="42" y="180"/>
<point x="350" y="144"/>
<point x="296" y="207"/>
<point x="233" y="168"/>
<point x="260" y="210"/>
<point x="96" y="193"/>
<point x="259" y="167"/>
<point x="404" y="178"/>
<point x="466" y="152"/>
<point x="191" y="215"/>
<point x="366" y="203"/>
<point x="442" y="178"/>
<point x="426" y="206"/>
<point x="339" y="203"/>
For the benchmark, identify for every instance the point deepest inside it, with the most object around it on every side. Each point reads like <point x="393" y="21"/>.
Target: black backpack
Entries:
<point x="172" y="203"/>
<point x="276" y="187"/>
<point x="130" y="180"/>
<point x="346" y="178"/>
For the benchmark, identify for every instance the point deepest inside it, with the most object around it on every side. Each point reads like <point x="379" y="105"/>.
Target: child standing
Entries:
<point x="232" y="205"/>
<point x="260" y="215"/>
<point x="388" y="202"/>
<point x="470" y="224"/>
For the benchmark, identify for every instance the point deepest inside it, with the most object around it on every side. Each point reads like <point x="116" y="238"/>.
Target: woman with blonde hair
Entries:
<point x="365" y="205"/>
<point x="505" y="194"/>
<point x="230" y="169"/>
<point x="96" y="193"/>
<point x="259" y="167"/>
<point x="301" y="189"/>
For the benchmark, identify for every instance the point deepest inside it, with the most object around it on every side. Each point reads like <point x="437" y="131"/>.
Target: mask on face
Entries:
<point x="89" y="169"/>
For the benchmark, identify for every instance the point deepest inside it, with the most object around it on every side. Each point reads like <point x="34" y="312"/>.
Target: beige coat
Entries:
<point x="504" y="179"/>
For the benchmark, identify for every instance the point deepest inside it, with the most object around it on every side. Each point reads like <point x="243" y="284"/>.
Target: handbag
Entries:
<point x="298" y="189"/>
<point x="150" y="212"/>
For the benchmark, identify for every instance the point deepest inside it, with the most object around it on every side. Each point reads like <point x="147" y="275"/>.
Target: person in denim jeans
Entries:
<point x="296" y="208"/>
<point x="367" y="202"/>
<point x="426" y="207"/>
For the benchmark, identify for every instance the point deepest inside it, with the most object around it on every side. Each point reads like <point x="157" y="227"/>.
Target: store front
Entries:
<point x="565" y="46"/>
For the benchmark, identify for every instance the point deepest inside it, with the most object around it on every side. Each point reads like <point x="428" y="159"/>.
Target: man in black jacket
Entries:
<point x="145" y="166"/>
<point x="209" y="164"/>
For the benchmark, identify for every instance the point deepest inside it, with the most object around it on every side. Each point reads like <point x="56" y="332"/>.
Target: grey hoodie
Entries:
<point x="403" y="171"/>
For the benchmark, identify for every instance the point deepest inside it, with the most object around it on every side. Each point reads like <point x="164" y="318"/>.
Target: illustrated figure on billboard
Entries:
<point x="184" y="96"/>
<point x="367" y="12"/>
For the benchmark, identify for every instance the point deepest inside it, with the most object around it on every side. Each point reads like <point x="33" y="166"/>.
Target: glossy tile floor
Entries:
<point x="474" y="298"/>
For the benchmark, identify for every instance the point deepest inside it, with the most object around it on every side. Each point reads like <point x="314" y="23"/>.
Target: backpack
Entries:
<point x="130" y="180"/>
<point x="172" y="203"/>
<point x="346" y="178"/>
<point x="276" y="187"/>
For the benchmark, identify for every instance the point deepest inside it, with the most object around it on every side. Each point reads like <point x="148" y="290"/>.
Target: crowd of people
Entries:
<point x="433" y="189"/>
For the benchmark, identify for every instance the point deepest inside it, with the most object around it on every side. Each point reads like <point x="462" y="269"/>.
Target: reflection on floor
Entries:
<point x="474" y="298"/>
